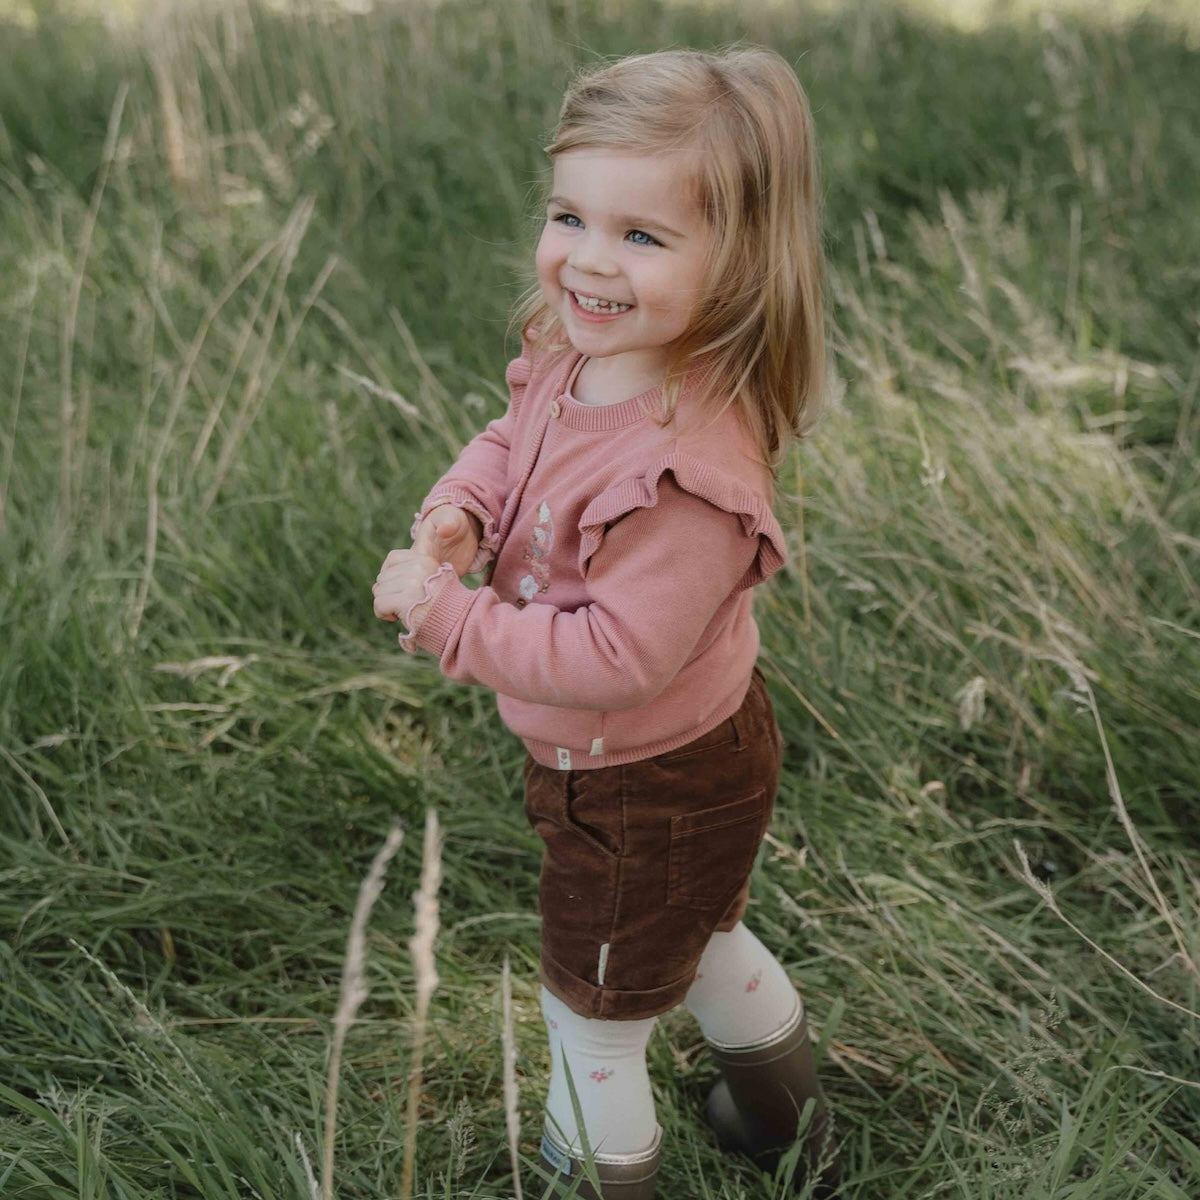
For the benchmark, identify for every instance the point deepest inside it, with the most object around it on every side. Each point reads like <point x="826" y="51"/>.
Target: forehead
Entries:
<point x="623" y="182"/>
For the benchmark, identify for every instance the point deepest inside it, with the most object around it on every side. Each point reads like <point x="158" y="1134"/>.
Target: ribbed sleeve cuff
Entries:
<point x="414" y="618"/>
<point x="449" y="600"/>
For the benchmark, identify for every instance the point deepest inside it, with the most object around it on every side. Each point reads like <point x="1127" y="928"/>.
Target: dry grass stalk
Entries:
<point x="164" y="443"/>
<point x="1051" y="902"/>
<point x="45" y="800"/>
<point x="259" y="378"/>
<point x="509" y="1044"/>
<point x="71" y="435"/>
<point x="425" y="903"/>
<point x="174" y="141"/>
<point x="1114" y="789"/>
<point x="354" y="990"/>
<point x="314" y="1188"/>
<point x="17" y="388"/>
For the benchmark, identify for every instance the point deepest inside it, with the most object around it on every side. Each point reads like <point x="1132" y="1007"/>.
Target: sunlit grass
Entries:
<point x="967" y="15"/>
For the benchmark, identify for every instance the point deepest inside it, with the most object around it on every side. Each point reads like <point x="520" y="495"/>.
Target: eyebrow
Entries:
<point x="644" y="223"/>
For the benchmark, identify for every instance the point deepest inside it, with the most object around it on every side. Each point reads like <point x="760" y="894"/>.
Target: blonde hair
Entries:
<point x="761" y="318"/>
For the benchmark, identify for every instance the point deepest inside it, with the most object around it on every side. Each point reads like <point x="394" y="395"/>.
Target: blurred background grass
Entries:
<point x="257" y="263"/>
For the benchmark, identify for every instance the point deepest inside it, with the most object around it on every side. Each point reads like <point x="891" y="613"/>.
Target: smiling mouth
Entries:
<point x="594" y="304"/>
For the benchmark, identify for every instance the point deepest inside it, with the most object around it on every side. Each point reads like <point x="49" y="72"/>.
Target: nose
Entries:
<point x="590" y="256"/>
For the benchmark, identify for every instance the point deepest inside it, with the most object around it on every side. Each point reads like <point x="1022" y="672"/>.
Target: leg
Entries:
<point x="606" y="1062"/>
<point x="643" y="861"/>
<point x="741" y="994"/>
<point x="754" y="1023"/>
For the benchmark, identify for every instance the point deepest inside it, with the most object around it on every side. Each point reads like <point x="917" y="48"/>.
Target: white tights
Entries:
<point x="741" y="996"/>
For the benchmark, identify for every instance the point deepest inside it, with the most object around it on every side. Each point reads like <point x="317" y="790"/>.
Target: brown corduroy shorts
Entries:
<point x="644" y="860"/>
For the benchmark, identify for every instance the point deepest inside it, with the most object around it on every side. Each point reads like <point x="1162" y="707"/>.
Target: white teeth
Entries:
<point x="592" y="304"/>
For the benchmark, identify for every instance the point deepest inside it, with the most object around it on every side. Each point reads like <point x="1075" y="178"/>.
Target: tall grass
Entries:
<point x="257" y="267"/>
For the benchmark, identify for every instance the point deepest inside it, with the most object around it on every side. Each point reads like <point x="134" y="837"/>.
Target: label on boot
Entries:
<point x="559" y="1159"/>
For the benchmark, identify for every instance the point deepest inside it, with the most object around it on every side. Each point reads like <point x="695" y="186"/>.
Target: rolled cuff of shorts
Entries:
<point x="589" y="1000"/>
<point x="607" y="1003"/>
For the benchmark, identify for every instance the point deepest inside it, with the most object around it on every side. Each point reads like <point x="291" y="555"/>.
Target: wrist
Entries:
<point x="413" y="617"/>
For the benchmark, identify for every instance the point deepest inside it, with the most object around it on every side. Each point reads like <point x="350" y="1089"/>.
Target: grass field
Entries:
<point x="257" y="263"/>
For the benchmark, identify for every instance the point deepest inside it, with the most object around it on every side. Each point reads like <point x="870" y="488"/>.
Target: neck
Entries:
<point x="620" y="377"/>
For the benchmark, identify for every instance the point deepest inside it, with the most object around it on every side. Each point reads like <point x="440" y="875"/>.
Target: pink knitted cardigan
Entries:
<point x="615" y="621"/>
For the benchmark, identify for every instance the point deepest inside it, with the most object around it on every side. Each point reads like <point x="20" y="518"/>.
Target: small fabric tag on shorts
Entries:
<point x="564" y="758"/>
<point x="558" y="1158"/>
<point x="597" y="746"/>
<point x="602" y="965"/>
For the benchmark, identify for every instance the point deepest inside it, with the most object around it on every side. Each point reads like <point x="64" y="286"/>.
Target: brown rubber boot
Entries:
<point x="622" y="1176"/>
<point x="757" y="1106"/>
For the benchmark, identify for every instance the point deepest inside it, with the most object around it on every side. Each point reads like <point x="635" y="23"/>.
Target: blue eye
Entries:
<point x="570" y="220"/>
<point x="639" y="237"/>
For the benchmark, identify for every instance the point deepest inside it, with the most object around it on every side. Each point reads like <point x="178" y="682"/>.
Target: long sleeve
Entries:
<point x="655" y="583"/>
<point x="478" y="480"/>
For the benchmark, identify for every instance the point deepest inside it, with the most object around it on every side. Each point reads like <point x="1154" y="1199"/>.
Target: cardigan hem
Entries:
<point x="581" y="759"/>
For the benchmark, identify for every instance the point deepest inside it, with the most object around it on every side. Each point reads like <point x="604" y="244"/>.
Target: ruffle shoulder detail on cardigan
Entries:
<point x="517" y="375"/>
<point x="533" y="359"/>
<point x="720" y="488"/>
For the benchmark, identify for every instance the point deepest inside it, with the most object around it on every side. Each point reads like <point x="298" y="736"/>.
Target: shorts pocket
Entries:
<point x="712" y="851"/>
<point x="578" y="882"/>
<point x="578" y="814"/>
<point x="595" y="809"/>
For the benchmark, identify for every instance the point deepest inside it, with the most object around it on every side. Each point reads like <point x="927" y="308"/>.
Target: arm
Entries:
<point x="477" y="483"/>
<point x="656" y="581"/>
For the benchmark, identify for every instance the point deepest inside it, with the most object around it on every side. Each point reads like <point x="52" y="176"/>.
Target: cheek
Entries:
<point x="547" y="259"/>
<point x="679" y="299"/>
<point x="693" y="291"/>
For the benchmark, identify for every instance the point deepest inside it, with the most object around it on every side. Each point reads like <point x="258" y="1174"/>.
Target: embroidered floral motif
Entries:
<point x="601" y="1075"/>
<point x="537" y="554"/>
<point x="755" y="980"/>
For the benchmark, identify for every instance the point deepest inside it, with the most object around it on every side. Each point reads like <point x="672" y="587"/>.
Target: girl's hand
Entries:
<point x="400" y="583"/>
<point x="450" y="535"/>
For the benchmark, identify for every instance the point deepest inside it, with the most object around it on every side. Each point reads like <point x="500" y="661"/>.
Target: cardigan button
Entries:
<point x="555" y="408"/>
<point x="520" y="602"/>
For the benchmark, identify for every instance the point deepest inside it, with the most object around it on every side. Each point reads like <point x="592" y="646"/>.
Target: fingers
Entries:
<point x="448" y="534"/>
<point x="401" y="582"/>
<point x="397" y="558"/>
<point x="449" y="520"/>
<point x="402" y="567"/>
<point x="441" y="530"/>
<point x="426" y="540"/>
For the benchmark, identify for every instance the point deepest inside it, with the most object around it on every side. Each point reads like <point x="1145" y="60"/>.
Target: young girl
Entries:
<point x="622" y="509"/>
